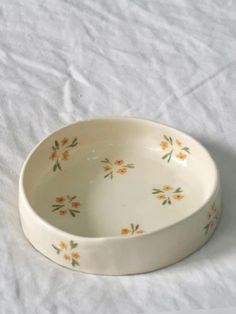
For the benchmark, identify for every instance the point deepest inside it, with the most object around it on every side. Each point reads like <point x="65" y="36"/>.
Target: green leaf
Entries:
<point x="55" y="167"/>
<point x="132" y="227"/>
<point x="165" y="156"/>
<point x="73" y="197"/>
<point x="170" y="140"/>
<point x="56" y="208"/>
<point x="156" y="191"/>
<point x="164" y="202"/>
<point x="136" y="227"/>
<point x="178" y="190"/>
<point x="72" y="213"/>
<point x="74" y="262"/>
<point x="57" y="144"/>
<point x="73" y="244"/>
<point x="169" y="201"/>
<point x="58" y="165"/>
<point x="170" y="155"/>
<point x="186" y="149"/>
<point x="56" y="248"/>
<point x="166" y="138"/>
<point x="129" y="166"/>
<point x="110" y="173"/>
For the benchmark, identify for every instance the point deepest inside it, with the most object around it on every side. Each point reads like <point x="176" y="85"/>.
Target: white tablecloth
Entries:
<point x="63" y="61"/>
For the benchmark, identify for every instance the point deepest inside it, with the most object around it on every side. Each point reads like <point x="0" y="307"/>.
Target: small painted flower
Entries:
<point x="164" y="145"/>
<point x="177" y="197"/>
<point x="166" y="193"/>
<point x="60" y="151"/>
<point x="53" y="155"/>
<point x="122" y="170"/>
<point x="75" y="204"/>
<point x="111" y="167"/>
<point x="75" y="255"/>
<point x="212" y="218"/>
<point x="133" y="230"/>
<point x="65" y="155"/>
<point x="63" y="245"/>
<point x="175" y="147"/>
<point x="107" y="168"/>
<point x="181" y="156"/>
<point x="60" y="199"/>
<point x="68" y="252"/>
<point x="161" y="197"/>
<point x="167" y="188"/>
<point x="64" y="141"/>
<point x="62" y="212"/>
<point x="65" y="205"/>
<point x="66" y="256"/>
<point x="119" y="162"/>
<point x="124" y="231"/>
<point x="179" y="143"/>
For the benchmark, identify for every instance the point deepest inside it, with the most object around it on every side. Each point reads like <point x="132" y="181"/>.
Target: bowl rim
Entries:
<point x="22" y="194"/>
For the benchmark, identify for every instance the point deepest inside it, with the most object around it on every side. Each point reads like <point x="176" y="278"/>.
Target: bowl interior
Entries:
<point x="111" y="177"/>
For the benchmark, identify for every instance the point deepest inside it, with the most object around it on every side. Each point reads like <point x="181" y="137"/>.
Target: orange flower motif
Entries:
<point x="122" y="170"/>
<point x="167" y="188"/>
<point x="161" y="197"/>
<point x="75" y="255"/>
<point x="181" y="155"/>
<point x="64" y="141"/>
<point x="107" y="168"/>
<point x="164" y="145"/>
<point x="119" y="162"/>
<point x="124" y="231"/>
<point x="62" y="212"/>
<point x="60" y="199"/>
<point x="53" y="155"/>
<point x="65" y="155"/>
<point x="140" y="231"/>
<point x="179" y="143"/>
<point x="178" y="197"/>
<point x="63" y="245"/>
<point x="66" y="256"/>
<point x="75" y="204"/>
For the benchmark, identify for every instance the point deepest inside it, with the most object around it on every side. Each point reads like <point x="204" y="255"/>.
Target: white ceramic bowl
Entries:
<point x="118" y="196"/>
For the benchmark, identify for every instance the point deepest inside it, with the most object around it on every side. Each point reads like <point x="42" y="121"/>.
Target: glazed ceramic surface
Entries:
<point x="118" y="196"/>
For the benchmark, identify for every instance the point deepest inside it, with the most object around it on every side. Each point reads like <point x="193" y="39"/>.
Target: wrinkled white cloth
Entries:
<point x="63" y="61"/>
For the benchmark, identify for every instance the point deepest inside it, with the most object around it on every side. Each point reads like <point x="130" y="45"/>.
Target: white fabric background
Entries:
<point x="63" y="61"/>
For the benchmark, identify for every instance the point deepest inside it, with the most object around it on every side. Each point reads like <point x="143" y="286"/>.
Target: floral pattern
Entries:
<point x="132" y="230"/>
<point x="173" y="146"/>
<point x="68" y="252"/>
<point x="212" y="218"/>
<point x="116" y="167"/>
<point x="66" y="204"/>
<point x="167" y="194"/>
<point x="60" y="151"/>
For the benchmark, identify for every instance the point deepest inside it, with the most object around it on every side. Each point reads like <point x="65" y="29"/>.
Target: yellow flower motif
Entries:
<point x="167" y="188"/>
<point x="53" y="155"/>
<point x="122" y="170"/>
<point x="75" y="255"/>
<point x="179" y="143"/>
<point x="161" y="197"/>
<point x="64" y="141"/>
<point x="65" y="155"/>
<point x="181" y="156"/>
<point x="119" y="162"/>
<point x="107" y="168"/>
<point x="66" y="256"/>
<point x="178" y="197"/>
<point x="124" y="231"/>
<point x="63" y="245"/>
<point x="164" y="145"/>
